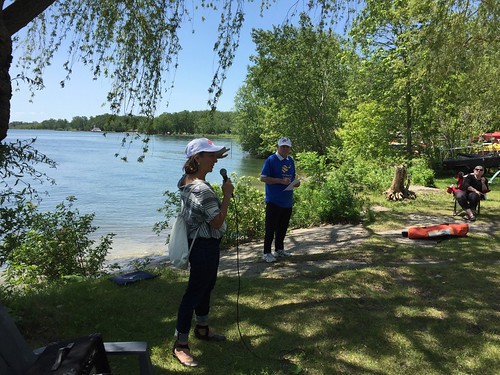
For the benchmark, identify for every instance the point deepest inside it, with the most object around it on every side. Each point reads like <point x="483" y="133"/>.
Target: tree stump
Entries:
<point x="398" y="190"/>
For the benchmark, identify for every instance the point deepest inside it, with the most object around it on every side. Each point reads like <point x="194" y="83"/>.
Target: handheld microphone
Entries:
<point x="223" y="173"/>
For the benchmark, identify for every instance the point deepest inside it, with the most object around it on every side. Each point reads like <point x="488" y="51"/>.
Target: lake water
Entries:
<point x="125" y="196"/>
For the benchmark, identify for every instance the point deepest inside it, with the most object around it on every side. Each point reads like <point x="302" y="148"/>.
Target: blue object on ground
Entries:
<point x="132" y="277"/>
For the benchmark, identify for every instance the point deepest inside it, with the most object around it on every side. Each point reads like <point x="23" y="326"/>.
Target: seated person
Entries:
<point x="473" y="188"/>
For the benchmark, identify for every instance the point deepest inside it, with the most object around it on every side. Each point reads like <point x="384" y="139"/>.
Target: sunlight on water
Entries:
<point x="124" y="196"/>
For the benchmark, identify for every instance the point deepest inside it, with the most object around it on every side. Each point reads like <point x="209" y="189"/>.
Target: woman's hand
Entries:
<point x="227" y="188"/>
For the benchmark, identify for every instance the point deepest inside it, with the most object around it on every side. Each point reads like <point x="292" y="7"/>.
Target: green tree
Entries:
<point x="80" y="123"/>
<point x="250" y="121"/>
<point x="463" y="72"/>
<point x="132" y="43"/>
<point x="423" y="59"/>
<point x="163" y="124"/>
<point x="388" y="33"/>
<point x="297" y="85"/>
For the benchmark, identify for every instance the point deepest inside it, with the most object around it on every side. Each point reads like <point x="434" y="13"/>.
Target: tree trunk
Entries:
<point x="409" y="123"/>
<point x="5" y="83"/>
<point x="12" y="19"/>
<point x="398" y="190"/>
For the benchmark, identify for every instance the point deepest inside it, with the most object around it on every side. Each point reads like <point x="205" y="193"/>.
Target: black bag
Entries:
<point x="81" y="356"/>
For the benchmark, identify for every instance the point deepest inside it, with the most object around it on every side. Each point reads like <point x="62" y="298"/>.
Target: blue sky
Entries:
<point x="82" y="96"/>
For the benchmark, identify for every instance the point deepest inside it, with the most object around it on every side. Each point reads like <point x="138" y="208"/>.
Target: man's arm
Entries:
<point x="274" y="180"/>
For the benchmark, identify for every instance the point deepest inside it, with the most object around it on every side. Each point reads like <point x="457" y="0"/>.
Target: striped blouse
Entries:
<point x="201" y="205"/>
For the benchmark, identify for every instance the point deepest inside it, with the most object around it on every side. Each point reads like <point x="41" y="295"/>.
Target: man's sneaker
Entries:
<point x="269" y="258"/>
<point x="282" y="253"/>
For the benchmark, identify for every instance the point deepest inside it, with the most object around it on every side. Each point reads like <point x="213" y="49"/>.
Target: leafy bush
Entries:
<point x="333" y="202"/>
<point x="316" y="202"/>
<point x="329" y="197"/>
<point x="420" y="173"/>
<point x="170" y="209"/>
<point x="366" y="174"/>
<point x="246" y="215"/>
<point x="312" y="165"/>
<point x="52" y="246"/>
<point x="306" y="199"/>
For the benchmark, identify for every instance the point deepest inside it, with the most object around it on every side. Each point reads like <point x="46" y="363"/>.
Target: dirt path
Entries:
<point x="303" y="243"/>
<point x="306" y="244"/>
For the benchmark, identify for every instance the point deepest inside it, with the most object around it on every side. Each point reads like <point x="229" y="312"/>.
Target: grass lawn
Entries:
<point x="415" y="308"/>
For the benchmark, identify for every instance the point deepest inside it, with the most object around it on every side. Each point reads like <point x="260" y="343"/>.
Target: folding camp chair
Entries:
<point x="454" y="188"/>
<point x="456" y="211"/>
<point x="16" y="357"/>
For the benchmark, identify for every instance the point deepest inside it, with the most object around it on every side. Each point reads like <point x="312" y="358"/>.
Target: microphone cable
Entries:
<point x="236" y="216"/>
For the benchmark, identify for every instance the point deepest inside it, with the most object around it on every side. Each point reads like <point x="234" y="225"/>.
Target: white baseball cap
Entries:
<point x="198" y="145"/>
<point x="284" y="141"/>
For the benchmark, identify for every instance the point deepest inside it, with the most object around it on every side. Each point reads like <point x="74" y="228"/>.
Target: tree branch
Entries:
<point x="21" y="12"/>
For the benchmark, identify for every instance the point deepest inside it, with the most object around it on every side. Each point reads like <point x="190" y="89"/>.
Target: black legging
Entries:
<point x="277" y="219"/>
<point x="467" y="199"/>
<point x="204" y="261"/>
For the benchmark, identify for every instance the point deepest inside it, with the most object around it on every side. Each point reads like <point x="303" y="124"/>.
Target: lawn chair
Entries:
<point x="16" y="357"/>
<point x="454" y="188"/>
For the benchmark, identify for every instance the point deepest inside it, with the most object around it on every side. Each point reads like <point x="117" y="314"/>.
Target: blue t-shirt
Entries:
<point x="277" y="167"/>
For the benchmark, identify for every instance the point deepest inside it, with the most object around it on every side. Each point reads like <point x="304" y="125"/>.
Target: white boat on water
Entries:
<point x="95" y="129"/>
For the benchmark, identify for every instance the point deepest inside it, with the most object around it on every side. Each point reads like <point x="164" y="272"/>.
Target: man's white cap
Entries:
<point x="198" y="145"/>
<point x="284" y="141"/>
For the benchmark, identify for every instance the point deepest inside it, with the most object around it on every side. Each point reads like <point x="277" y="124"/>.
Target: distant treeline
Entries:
<point x="197" y="122"/>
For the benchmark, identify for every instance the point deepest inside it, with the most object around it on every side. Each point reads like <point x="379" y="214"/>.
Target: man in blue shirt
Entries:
<point x="278" y="173"/>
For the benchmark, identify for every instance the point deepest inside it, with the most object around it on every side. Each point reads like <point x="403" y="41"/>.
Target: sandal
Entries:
<point x="183" y="354"/>
<point x="207" y="335"/>
<point x="469" y="218"/>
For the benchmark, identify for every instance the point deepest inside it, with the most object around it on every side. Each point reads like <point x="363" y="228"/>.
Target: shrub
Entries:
<point x="312" y="165"/>
<point x="367" y="175"/>
<point x="52" y="246"/>
<point x="246" y="214"/>
<point x="332" y="200"/>
<point x="420" y="173"/>
<point x="306" y="198"/>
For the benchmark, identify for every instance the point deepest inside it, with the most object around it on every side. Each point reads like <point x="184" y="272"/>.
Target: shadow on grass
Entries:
<point x="350" y="301"/>
<point x="373" y="320"/>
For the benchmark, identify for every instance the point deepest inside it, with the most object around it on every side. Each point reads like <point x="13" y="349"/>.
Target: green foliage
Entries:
<point x="18" y="161"/>
<point x="334" y="201"/>
<point x="134" y="45"/>
<point x="246" y="216"/>
<point x="420" y="173"/>
<point x="18" y="171"/>
<point x="425" y="63"/>
<point x="295" y="88"/>
<point x="53" y="245"/>
<point x="312" y="165"/>
<point x="196" y="122"/>
<point x="245" y="220"/>
<point x="364" y="174"/>
<point x="306" y="199"/>
<point x="171" y="207"/>
<point x="367" y="131"/>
